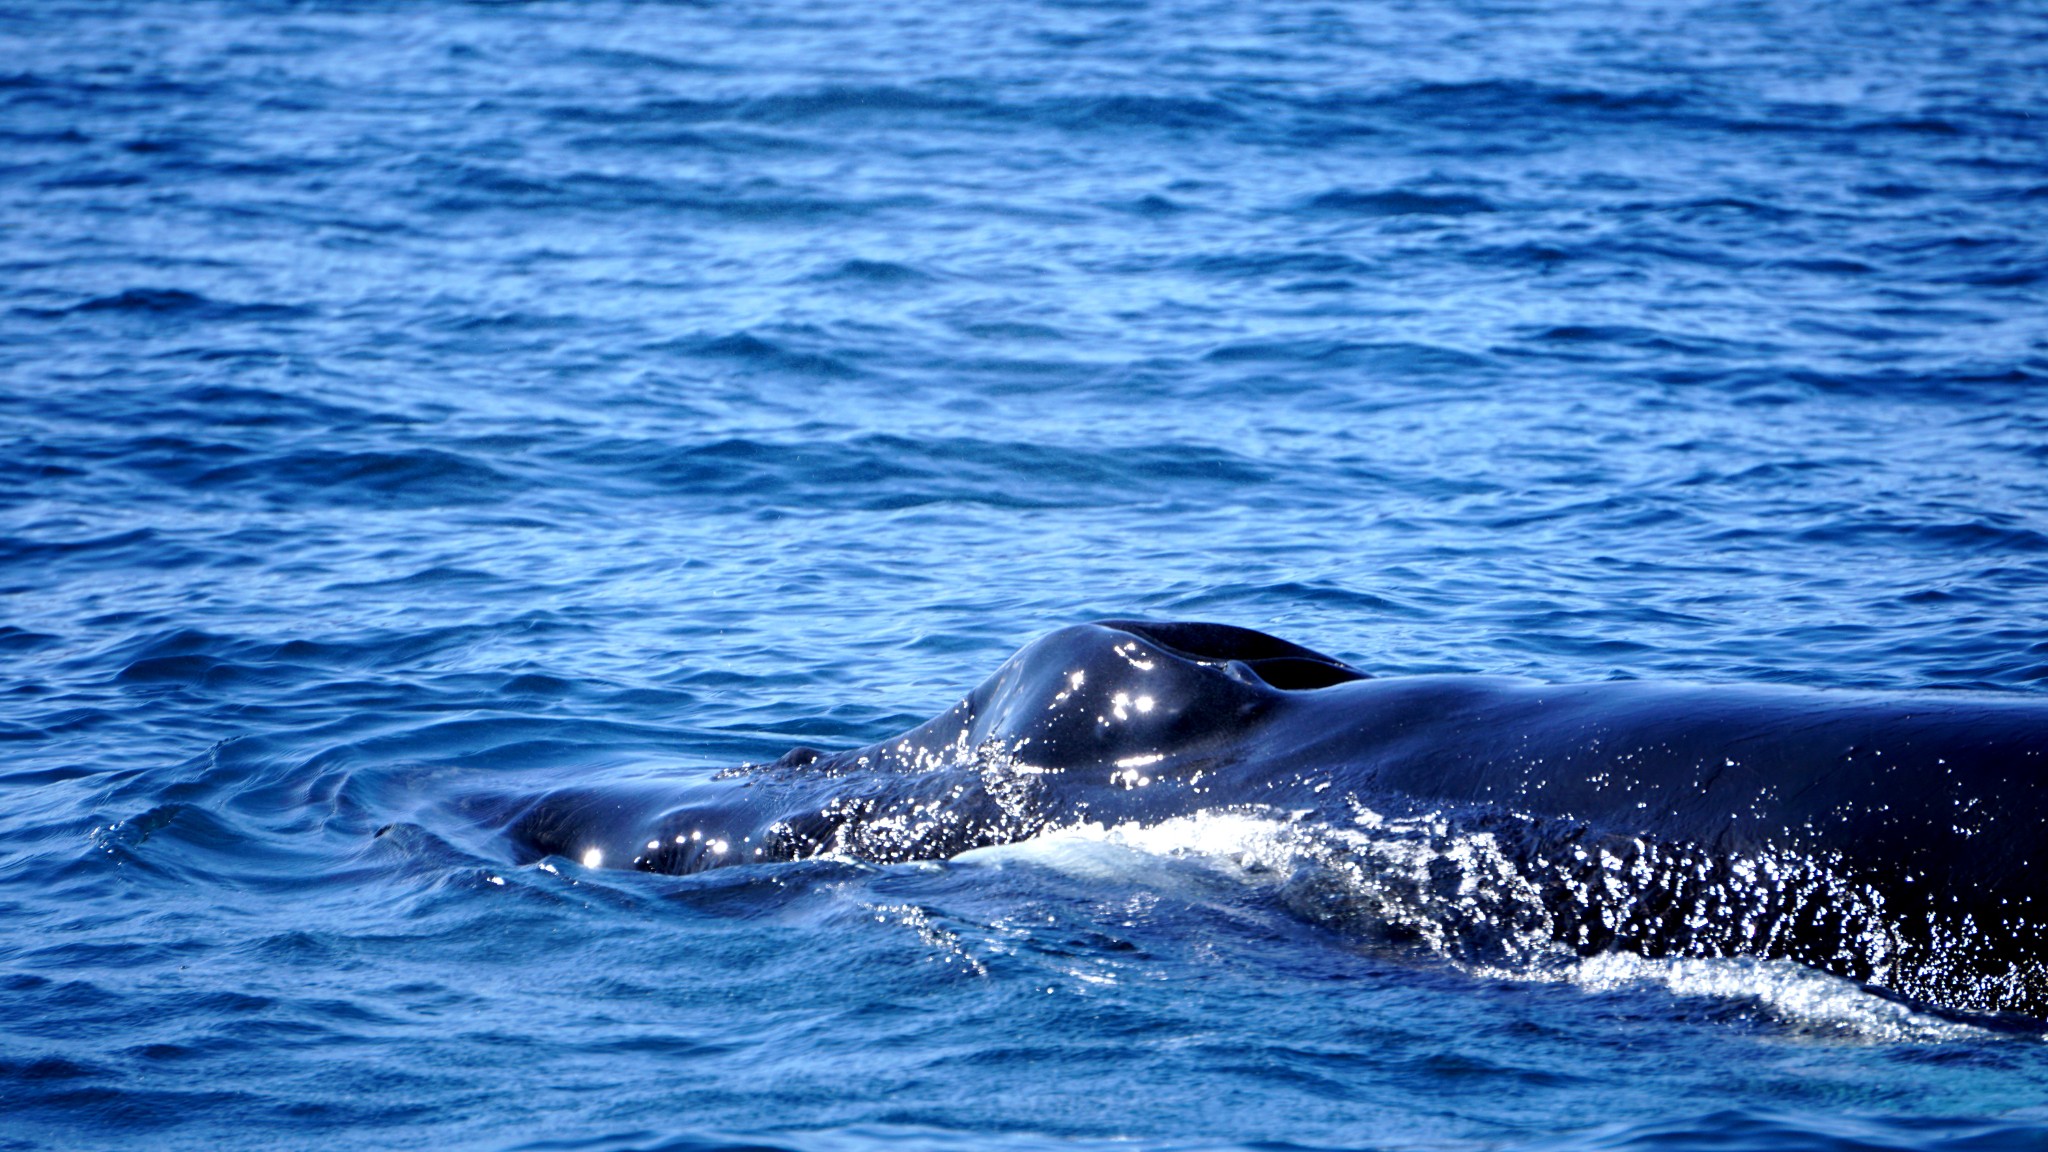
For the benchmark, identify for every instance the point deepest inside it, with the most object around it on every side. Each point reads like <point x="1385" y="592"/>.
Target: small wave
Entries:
<point x="848" y="101"/>
<point x="1398" y="202"/>
<point x="96" y="178"/>
<point x="1829" y="266"/>
<point x="1750" y="1131"/>
<point x="402" y="478"/>
<point x="1334" y="353"/>
<point x="142" y="546"/>
<point x="1976" y="536"/>
<point x="1154" y="205"/>
<point x="876" y="272"/>
<point x="1914" y="125"/>
<point x="1491" y="104"/>
<point x="1232" y="266"/>
<point x="894" y="472"/>
<point x="466" y="187"/>
<point x="249" y="406"/>
<point x="1123" y="112"/>
<point x="635" y="60"/>
<point x="1291" y="592"/>
<point x="758" y="352"/>
<point x="174" y="302"/>
<point x="22" y="641"/>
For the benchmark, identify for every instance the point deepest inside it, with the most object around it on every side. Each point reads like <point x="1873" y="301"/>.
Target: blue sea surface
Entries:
<point x="402" y="399"/>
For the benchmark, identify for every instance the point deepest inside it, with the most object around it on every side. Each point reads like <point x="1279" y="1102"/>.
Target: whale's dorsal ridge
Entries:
<point x="1275" y="662"/>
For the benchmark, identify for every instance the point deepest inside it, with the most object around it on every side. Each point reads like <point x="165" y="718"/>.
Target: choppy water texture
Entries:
<point x="400" y="397"/>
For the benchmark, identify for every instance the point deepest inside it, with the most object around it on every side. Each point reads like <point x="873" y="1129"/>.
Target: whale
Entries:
<point x="1899" y="840"/>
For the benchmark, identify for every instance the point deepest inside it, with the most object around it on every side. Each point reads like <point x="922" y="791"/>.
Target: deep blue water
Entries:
<point x="405" y="398"/>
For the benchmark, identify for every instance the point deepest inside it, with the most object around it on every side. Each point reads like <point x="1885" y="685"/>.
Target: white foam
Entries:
<point x="1119" y="851"/>
<point x="1785" y="990"/>
<point x="1370" y="876"/>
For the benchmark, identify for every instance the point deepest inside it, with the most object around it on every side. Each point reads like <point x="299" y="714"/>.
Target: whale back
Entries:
<point x="1891" y="839"/>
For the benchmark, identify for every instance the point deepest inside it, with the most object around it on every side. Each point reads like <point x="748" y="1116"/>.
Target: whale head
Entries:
<point x="1124" y="695"/>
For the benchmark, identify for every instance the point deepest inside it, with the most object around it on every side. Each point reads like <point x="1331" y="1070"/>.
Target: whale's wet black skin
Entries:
<point x="1899" y="840"/>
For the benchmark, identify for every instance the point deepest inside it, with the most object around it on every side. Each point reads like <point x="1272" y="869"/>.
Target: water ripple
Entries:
<point x="410" y="406"/>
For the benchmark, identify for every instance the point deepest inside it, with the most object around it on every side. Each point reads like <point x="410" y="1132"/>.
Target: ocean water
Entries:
<point x="399" y="399"/>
